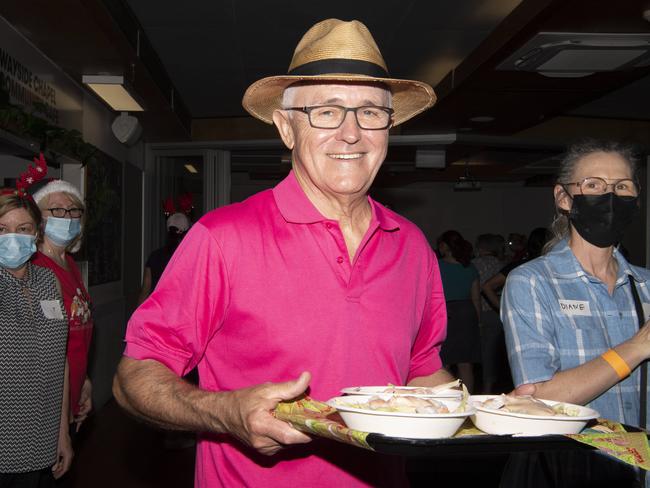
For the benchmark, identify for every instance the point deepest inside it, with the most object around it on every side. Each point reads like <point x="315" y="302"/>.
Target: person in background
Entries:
<point x="572" y="316"/>
<point x="490" y="260"/>
<point x="461" y="351"/>
<point x="497" y="371"/>
<point x="534" y="245"/>
<point x="498" y="247"/>
<point x="177" y="225"/>
<point x="35" y="444"/>
<point x="312" y="284"/>
<point x="516" y="247"/>
<point x="63" y="212"/>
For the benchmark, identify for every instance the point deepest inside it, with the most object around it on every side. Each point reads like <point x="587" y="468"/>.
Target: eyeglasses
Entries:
<point x="74" y="213"/>
<point x="594" y="185"/>
<point x="369" y="117"/>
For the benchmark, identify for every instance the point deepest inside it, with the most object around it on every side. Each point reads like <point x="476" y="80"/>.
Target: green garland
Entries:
<point x="52" y="139"/>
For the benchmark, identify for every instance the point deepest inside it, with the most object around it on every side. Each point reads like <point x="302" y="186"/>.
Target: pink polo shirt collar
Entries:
<point x="296" y="208"/>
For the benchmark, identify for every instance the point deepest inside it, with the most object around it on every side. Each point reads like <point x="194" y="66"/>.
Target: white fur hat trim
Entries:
<point x="56" y="186"/>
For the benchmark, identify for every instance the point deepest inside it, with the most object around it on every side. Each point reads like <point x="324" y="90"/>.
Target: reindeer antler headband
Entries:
<point x="28" y="178"/>
<point x="184" y="202"/>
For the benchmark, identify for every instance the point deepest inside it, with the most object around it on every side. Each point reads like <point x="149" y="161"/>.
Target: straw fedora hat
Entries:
<point x="334" y="50"/>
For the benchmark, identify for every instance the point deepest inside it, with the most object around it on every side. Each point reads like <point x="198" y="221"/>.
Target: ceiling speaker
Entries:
<point x="126" y="129"/>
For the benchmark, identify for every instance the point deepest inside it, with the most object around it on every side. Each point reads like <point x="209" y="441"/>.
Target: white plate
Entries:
<point x="398" y="424"/>
<point x="403" y="390"/>
<point x="498" y="422"/>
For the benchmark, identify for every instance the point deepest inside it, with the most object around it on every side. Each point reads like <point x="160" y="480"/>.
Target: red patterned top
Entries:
<point x="77" y="306"/>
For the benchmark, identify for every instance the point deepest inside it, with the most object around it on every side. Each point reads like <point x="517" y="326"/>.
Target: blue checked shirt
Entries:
<point x="557" y="317"/>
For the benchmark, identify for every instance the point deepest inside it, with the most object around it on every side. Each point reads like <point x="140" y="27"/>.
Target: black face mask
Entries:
<point x="174" y="239"/>
<point x="602" y="219"/>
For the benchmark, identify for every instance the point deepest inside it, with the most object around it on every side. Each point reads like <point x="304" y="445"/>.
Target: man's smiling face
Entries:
<point x="342" y="161"/>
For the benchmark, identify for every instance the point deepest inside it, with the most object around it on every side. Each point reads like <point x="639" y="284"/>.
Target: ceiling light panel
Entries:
<point x="112" y="91"/>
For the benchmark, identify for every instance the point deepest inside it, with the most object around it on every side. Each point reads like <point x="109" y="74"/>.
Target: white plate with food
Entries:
<point x="525" y="415"/>
<point x="401" y="415"/>
<point x="448" y="390"/>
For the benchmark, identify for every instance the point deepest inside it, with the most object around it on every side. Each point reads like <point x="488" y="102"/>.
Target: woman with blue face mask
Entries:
<point x="35" y="443"/>
<point x="63" y="213"/>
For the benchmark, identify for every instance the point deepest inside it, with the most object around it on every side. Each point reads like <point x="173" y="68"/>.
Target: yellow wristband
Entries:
<point x="617" y="362"/>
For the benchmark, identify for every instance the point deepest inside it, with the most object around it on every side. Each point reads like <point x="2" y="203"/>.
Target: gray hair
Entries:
<point x="289" y="94"/>
<point x="560" y="226"/>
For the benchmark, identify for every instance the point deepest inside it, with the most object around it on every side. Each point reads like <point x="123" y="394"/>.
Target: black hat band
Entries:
<point x="348" y="66"/>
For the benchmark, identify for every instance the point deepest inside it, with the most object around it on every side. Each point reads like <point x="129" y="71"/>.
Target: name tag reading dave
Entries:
<point x="575" y="307"/>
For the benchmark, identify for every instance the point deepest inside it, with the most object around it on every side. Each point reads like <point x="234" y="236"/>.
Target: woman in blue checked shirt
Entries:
<point x="570" y="319"/>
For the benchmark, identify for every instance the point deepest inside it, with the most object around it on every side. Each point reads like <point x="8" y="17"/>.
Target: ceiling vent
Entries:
<point x="573" y="55"/>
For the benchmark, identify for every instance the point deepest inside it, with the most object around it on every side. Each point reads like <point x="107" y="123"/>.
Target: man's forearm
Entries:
<point x="150" y="391"/>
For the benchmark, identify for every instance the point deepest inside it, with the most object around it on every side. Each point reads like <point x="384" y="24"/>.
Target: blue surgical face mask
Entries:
<point x="16" y="249"/>
<point x="62" y="231"/>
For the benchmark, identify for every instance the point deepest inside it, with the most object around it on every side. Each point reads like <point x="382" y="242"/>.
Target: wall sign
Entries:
<point x="35" y="83"/>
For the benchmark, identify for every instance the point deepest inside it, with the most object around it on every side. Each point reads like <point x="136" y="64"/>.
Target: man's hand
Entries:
<point x="85" y="403"/>
<point x="247" y="415"/>
<point x="64" y="454"/>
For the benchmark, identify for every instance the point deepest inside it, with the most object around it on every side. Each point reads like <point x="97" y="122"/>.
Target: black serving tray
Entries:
<point x="475" y="444"/>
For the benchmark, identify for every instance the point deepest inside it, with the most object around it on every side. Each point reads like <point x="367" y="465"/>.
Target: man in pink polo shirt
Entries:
<point x="309" y="287"/>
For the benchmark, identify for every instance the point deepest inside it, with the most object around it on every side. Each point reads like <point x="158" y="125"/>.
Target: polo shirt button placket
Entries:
<point x="340" y="244"/>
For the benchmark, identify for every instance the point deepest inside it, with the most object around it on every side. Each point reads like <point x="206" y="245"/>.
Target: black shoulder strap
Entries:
<point x="644" y="365"/>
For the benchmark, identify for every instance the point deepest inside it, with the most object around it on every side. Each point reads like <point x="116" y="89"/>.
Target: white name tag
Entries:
<point x="575" y="307"/>
<point x="646" y="311"/>
<point x="51" y="309"/>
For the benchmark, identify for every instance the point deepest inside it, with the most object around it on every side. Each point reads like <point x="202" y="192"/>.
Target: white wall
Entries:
<point x="499" y="208"/>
